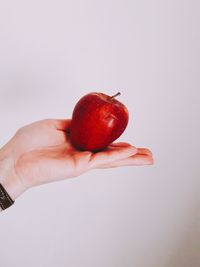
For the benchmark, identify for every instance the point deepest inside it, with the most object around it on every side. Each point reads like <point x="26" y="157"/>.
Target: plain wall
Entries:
<point x="54" y="52"/>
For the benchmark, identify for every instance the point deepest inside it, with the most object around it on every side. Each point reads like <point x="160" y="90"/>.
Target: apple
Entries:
<point x="97" y="120"/>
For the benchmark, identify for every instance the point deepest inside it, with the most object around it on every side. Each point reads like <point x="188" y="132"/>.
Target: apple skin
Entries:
<point x="97" y="120"/>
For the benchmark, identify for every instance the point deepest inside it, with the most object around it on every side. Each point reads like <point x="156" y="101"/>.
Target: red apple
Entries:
<point x="97" y="120"/>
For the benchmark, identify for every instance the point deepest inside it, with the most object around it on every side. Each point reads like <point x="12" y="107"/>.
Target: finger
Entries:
<point x="111" y="154"/>
<point x="119" y="144"/>
<point x="62" y="125"/>
<point x="135" y="160"/>
<point x="144" y="151"/>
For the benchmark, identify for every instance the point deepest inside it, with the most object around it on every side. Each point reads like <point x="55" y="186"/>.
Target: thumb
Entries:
<point x="62" y="124"/>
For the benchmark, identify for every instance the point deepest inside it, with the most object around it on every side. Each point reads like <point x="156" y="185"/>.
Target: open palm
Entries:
<point x="42" y="153"/>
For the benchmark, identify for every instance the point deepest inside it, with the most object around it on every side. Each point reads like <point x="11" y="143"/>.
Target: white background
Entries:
<point x="52" y="53"/>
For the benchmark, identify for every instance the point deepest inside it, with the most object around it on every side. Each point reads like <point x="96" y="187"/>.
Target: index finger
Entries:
<point x="112" y="153"/>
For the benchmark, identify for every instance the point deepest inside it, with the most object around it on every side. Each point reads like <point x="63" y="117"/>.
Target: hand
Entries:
<point x="42" y="152"/>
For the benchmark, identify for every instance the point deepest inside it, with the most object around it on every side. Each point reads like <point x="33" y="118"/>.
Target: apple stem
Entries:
<point x="115" y="95"/>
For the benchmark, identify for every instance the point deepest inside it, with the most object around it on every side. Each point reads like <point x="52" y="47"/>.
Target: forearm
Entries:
<point x="8" y="176"/>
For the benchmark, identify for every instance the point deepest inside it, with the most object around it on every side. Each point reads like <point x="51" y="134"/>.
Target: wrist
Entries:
<point x="8" y="177"/>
